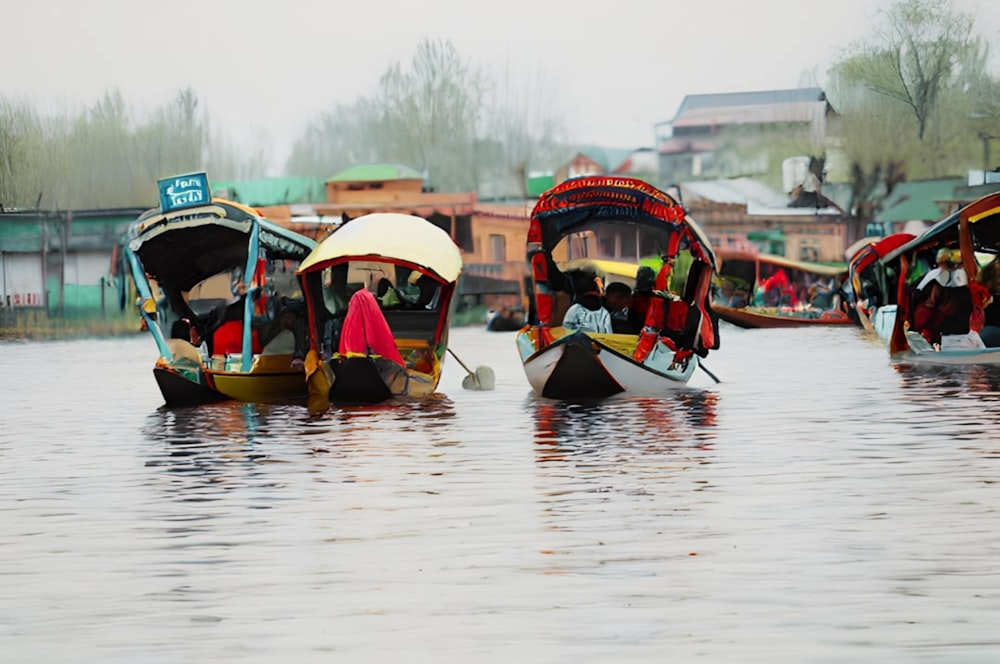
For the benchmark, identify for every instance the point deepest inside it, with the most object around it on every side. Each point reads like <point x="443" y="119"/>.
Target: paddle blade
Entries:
<point x="483" y="379"/>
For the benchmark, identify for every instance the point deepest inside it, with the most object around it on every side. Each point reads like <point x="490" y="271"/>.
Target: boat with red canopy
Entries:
<point x="872" y="285"/>
<point x="947" y="279"/>
<point x="572" y="221"/>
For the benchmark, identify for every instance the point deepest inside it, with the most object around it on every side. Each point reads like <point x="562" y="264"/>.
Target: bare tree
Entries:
<point x="923" y="49"/>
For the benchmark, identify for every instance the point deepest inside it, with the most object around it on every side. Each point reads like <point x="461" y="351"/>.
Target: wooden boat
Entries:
<point x="183" y="257"/>
<point x="872" y="286"/>
<point x="971" y="236"/>
<point x="679" y="328"/>
<point x="399" y="274"/>
<point x="760" y="290"/>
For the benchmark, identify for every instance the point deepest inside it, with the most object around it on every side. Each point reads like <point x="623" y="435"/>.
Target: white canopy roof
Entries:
<point x="393" y="236"/>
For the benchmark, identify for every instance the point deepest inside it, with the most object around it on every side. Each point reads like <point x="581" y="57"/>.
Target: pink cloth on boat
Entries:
<point x="366" y="331"/>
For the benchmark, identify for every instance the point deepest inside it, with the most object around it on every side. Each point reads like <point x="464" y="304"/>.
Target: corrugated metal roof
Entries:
<point x="917" y="200"/>
<point x="376" y="173"/>
<point x="772" y="97"/>
<point x="735" y="191"/>
<point x="751" y="114"/>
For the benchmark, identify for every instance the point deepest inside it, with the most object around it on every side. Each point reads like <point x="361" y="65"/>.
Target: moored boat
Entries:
<point x="760" y="290"/>
<point x="211" y="269"/>
<point x="564" y="360"/>
<point x="380" y="293"/>
<point x="872" y="285"/>
<point x="946" y="281"/>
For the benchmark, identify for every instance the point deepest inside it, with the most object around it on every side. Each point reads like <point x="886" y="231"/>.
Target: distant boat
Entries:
<point x="951" y="253"/>
<point x="677" y="330"/>
<point x="380" y="291"/>
<point x="183" y="257"/>
<point x="760" y="290"/>
<point x="872" y="285"/>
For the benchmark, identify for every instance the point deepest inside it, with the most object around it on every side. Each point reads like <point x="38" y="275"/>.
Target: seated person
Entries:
<point x="823" y="294"/>
<point x="587" y="314"/>
<point x="366" y="332"/>
<point x="386" y="294"/>
<point x="942" y="301"/>
<point x="617" y="300"/>
<point x="645" y="279"/>
<point x="283" y="343"/>
<point x="989" y="277"/>
<point x="179" y="342"/>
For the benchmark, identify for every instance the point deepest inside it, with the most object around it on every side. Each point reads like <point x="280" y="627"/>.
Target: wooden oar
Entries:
<point x="711" y="375"/>
<point x="481" y="379"/>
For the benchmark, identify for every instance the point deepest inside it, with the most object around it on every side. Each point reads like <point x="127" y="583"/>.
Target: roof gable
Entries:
<point x="376" y="173"/>
<point x="262" y="192"/>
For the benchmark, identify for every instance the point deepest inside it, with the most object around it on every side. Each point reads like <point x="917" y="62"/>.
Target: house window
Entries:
<point x="498" y="248"/>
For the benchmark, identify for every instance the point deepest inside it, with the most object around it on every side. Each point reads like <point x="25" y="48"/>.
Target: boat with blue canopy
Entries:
<point x="217" y="291"/>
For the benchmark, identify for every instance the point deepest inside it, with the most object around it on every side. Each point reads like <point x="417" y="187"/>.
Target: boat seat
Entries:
<point x="412" y="324"/>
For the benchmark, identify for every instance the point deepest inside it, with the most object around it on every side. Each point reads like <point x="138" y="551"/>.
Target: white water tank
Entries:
<point x="793" y="172"/>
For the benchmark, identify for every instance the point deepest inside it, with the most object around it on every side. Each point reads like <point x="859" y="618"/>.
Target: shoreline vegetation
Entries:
<point x="35" y="325"/>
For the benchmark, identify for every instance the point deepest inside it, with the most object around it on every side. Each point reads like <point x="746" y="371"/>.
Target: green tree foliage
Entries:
<point x="909" y="97"/>
<point x="101" y="157"/>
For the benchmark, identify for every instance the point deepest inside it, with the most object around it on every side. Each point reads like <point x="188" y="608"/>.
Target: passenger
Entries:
<point x="587" y="314"/>
<point x="617" y="300"/>
<point x="366" y="332"/>
<point x="284" y="342"/>
<point x="226" y="325"/>
<point x="823" y="294"/>
<point x="386" y="294"/>
<point x="942" y="301"/>
<point x="777" y="290"/>
<point x="180" y="344"/>
<point x="642" y="294"/>
<point x="989" y="277"/>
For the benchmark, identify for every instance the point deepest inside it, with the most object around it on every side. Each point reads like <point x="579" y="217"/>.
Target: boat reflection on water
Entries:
<point x="966" y="396"/>
<point x="210" y="438"/>
<point x="681" y="422"/>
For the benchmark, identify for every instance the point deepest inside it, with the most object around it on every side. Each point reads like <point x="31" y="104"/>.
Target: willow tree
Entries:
<point x="904" y="98"/>
<point x="430" y="113"/>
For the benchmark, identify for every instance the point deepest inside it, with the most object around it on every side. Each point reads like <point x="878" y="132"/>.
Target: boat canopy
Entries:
<point x="579" y="203"/>
<point x="820" y="269"/>
<point x="390" y="236"/>
<point x="873" y="251"/>
<point x="985" y="237"/>
<point x="184" y="247"/>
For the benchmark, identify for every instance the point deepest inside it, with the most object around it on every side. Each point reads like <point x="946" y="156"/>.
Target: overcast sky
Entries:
<point x="614" y="67"/>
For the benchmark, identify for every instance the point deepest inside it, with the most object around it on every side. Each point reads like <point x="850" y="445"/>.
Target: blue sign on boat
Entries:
<point x="184" y="191"/>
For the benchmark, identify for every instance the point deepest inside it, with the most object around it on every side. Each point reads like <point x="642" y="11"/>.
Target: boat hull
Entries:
<point x="271" y="379"/>
<point x="921" y="352"/>
<point x="179" y="390"/>
<point x="750" y="319"/>
<point x="581" y="366"/>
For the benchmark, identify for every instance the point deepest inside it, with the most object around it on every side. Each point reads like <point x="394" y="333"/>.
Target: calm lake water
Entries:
<point x="818" y="505"/>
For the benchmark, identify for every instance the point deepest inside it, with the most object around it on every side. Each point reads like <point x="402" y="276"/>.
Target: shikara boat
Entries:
<point x="380" y="292"/>
<point x="873" y="287"/>
<point x="760" y="290"/>
<point x="184" y="258"/>
<point x="958" y="258"/>
<point x="678" y="328"/>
